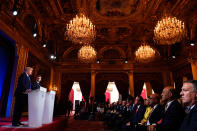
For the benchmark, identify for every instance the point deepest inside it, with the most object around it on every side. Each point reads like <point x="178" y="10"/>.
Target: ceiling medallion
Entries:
<point x="169" y="30"/>
<point x="145" y="53"/>
<point x="80" y="30"/>
<point x="87" y="54"/>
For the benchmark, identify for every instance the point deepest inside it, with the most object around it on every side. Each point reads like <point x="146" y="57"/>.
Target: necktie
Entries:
<point x="137" y="109"/>
<point x="166" y="107"/>
<point x="188" y="109"/>
<point x="147" y="122"/>
<point x="160" y="121"/>
<point x="29" y="82"/>
<point x="150" y="113"/>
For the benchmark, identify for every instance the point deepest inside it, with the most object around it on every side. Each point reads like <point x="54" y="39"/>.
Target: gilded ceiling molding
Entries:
<point x="122" y="76"/>
<point x="105" y="48"/>
<point x="38" y="22"/>
<point x="193" y="27"/>
<point x="67" y="51"/>
<point x="76" y="77"/>
<point x="31" y="9"/>
<point x="21" y="38"/>
<point x="139" y="8"/>
<point x="179" y="6"/>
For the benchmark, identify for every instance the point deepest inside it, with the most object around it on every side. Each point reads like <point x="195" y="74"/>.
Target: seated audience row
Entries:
<point x="157" y="113"/>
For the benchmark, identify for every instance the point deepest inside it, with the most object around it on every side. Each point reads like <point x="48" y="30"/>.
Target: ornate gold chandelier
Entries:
<point x="80" y="30"/>
<point x="169" y="30"/>
<point x="87" y="54"/>
<point x="145" y="53"/>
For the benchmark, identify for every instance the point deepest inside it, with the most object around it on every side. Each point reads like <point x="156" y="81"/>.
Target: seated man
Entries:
<point x="156" y="112"/>
<point x="131" y="104"/>
<point x="173" y="113"/>
<point x="189" y="98"/>
<point x="138" y="114"/>
<point x="121" y="116"/>
<point x="154" y="116"/>
<point x="147" y="112"/>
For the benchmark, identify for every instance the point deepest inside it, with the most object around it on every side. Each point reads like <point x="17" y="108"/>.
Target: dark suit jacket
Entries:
<point x="172" y="118"/>
<point x="138" y="116"/>
<point x="131" y="107"/>
<point x="190" y="121"/>
<point x="35" y="85"/>
<point x="156" y="115"/>
<point x="23" y="84"/>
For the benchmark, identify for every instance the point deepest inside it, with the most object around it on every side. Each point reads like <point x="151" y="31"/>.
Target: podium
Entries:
<point x="48" y="107"/>
<point x="36" y="100"/>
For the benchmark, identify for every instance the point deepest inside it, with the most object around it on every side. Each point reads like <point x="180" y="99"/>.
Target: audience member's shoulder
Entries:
<point x="180" y="106"/>
<point x="194" y="113"/>
<point x="143" y="107"/>
<point x="175" y="105"/>
<point x="176" y="102"/>
<point x="159" y="106"/>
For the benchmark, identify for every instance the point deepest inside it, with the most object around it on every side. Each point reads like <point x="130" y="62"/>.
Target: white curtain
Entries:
<point x="114" y="91"/>
<point x="77" y="92"/>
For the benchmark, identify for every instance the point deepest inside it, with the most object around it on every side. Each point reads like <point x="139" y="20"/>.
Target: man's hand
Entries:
<point x="142" y="122"/>
<point x="128" y="124"/>
<point x="27" y="91"/>
<point x="151" y="128"/>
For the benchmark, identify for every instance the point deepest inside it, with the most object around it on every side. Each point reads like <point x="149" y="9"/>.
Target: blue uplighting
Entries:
<point x="4" y="62"/>
<point x="9" y="103"/>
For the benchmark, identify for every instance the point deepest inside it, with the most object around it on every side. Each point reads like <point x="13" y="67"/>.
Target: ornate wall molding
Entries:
<point x="105" y="48"/>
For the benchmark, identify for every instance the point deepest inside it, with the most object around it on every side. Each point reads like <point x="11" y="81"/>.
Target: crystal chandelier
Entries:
<point x="145" y="53"/>
<point x="169" y="30"/>
<point x="87" y="54"/>
<point x="80" y="30"/>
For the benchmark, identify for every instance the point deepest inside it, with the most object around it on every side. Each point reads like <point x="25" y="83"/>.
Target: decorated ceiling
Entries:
<point x="121" y="26"/>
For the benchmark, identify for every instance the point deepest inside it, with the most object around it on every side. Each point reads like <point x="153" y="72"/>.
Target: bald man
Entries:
<point x="21" y="97"/>
<point x="172" y="115"/>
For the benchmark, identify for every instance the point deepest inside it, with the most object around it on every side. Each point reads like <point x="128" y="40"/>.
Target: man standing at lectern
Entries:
<point x="21" y="97"/>
<point x="36" y="84"/>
